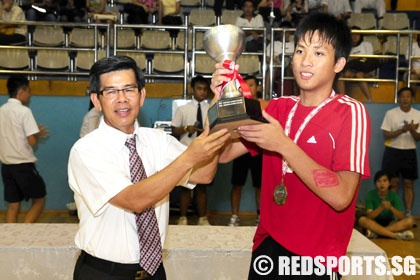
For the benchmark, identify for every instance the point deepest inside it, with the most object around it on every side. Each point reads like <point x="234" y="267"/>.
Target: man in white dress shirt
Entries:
<point x="99" y="174"/>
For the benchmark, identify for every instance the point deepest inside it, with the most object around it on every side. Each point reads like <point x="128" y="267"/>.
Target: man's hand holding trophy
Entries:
<point x="235" y="106"/>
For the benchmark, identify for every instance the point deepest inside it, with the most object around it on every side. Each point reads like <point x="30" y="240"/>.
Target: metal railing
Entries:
<point x="106" y="41"/>
<point x="383" y="55"/>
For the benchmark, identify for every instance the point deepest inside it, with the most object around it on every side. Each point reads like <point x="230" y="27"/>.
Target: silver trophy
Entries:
<point x="224" y="44"/>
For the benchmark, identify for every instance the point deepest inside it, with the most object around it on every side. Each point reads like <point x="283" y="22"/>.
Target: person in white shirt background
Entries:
<point x="186" y="126"/>
<point x="254" y="40"/>
<point x="19" y="133"/>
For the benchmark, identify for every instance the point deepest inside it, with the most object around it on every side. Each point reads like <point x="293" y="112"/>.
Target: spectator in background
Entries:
<point x="415" y="62"/>
<point x="71" y="11"/>
<point x="271" y="11"/>
<point x="384" y="215"/>
<point x="254" y="40"/>
<point x="19" y="133"/>
<point x="170" y="14"/>
<point x="11" y="34"/>
<point x="98" y="11"/>
<point x="314" y="6"/>
<point x="242" y="164"/>
<point x="401" y="131"/>
<point x="187" y="124"/>
<point x="90" y="120"/>
<point x="378" y="5"/>
<point x="341" y="9"/>
<point x="42" y="10"/>
<point x="295" y="10"/>
<point x="139" y="10"/>
<point x="359" y="67"/>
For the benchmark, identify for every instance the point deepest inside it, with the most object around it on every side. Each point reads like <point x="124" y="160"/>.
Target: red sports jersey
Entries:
<point x="337" y="137"/>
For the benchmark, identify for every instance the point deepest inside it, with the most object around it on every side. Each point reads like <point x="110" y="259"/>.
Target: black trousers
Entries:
<point x="84" y="271"/>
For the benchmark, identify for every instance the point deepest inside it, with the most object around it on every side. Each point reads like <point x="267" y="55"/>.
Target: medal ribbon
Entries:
<point x="236" y="78"/>
<point x="305" y="122"/>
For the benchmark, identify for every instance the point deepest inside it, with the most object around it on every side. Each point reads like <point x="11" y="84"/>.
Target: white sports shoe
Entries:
<point x="182" y="221"/>
<point x="405" y="235"/>
<point x="370" y="234"/>
<point x="234" y="221"/>
<point x="202" y="221"/>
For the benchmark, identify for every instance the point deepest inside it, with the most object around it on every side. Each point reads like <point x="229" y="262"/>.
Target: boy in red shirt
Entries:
<point x="315" y="152"/>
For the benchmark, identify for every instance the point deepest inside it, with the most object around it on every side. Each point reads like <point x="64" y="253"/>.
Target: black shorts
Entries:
<point x="22" y="182"/>
<point x="384" y="222"/>
<point x="240" y="168"/>
<point x="399" y="162"/>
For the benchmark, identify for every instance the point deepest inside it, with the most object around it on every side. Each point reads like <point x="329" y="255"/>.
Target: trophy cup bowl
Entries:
<point x="226" y="43"/>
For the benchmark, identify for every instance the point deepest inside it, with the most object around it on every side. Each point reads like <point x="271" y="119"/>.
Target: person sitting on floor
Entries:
<point x="384" y="215"/>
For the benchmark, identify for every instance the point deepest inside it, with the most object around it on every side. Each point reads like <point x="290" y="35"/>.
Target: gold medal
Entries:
<point x="280" y="194"/>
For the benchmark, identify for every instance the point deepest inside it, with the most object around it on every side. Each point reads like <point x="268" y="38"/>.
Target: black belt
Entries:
<point x="113" y="268"/>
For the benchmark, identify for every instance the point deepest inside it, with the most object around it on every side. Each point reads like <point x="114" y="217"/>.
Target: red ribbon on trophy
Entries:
<point x="242" y="86"/>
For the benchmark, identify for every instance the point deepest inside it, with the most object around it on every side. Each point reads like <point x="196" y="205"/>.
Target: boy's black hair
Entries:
<point x="330" y="30"/>
<point x="252" y="77"/>
<point x="15" y="83"/>
<point x="199" y="79"/>
<point x="379" y="174"/>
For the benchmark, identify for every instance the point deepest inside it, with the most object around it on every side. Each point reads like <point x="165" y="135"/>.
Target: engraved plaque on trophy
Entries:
<point x="224" y="44"/>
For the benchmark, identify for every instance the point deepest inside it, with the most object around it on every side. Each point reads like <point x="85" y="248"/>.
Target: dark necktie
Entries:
<point x="147" y="226"/>
<point x="199" y="119"/>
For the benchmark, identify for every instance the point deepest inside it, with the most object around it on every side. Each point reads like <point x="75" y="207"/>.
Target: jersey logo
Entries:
<point x="312" y="140"/>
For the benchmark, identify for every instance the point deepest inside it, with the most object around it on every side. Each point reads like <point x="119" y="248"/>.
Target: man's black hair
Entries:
<point x="113" y="64"/>
<point x="401" y="90"/>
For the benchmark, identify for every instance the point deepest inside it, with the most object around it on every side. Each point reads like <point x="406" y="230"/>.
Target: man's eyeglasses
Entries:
<point x="111" y="93"/>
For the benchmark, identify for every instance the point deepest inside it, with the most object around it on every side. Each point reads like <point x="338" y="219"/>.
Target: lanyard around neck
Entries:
<point x="285" y="167"/>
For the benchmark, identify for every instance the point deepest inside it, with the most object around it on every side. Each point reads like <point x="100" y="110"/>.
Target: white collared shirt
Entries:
<point x="187" y="115"/>
<point x="256" y="21"/>
<point x="16" y="124"/>
<point x="98" y="170"/>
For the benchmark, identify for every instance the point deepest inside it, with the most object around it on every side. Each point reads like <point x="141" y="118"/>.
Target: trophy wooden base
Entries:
<point x="233" y="112"/>
<point x="233" y="126"/>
